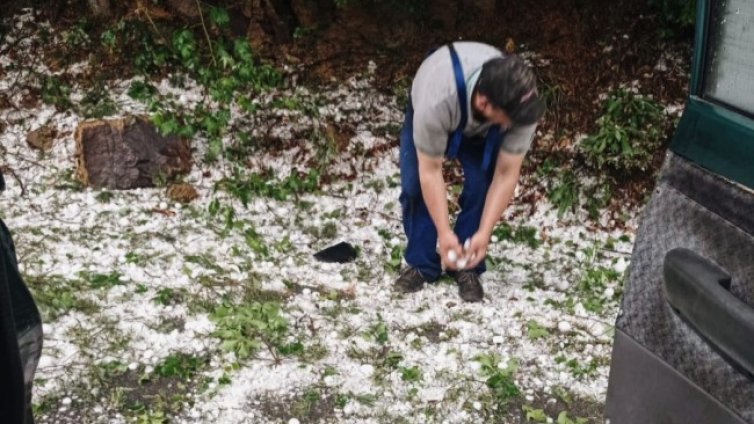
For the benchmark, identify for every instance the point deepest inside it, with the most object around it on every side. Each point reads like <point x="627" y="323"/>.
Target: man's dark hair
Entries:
<point x="510" y="84"/>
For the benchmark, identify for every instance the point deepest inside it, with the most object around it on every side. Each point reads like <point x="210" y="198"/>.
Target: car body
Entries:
<point x="20" y="335"/>
<point x="684" y="339"/>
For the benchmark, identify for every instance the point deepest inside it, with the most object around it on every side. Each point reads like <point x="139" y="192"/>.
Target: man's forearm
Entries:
<point x="498" y="198"/>
<point x="435" y="197"/>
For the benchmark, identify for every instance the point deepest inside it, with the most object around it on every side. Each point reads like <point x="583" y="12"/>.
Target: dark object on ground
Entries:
<point x="20" y="337"/>
<point x="2" y="182"/>
<point x="409" y="281"/>
<point x="127" y="153"/>
<point x="340" y="253"/>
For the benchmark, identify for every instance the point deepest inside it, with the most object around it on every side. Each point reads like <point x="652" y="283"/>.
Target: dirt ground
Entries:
<point x="581" y="52"/>
<point x="588" y="50"/>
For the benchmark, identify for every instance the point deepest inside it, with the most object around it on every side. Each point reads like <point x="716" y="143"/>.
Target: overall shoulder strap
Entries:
<point x="462" y="99"/>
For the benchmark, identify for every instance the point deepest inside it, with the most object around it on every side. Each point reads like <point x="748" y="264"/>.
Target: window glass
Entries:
<point x="729" y="73"/>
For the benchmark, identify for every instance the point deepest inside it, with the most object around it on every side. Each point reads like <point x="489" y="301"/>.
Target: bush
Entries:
<point x="676" y="16"/>
<point x="629" y="132"/>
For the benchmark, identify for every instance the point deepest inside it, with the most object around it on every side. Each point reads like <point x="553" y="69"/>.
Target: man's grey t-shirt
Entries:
<point x="434" y="97"/>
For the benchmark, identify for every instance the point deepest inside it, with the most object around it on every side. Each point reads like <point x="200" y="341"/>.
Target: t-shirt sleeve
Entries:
<point x="518" y="139"/>
<point x="430" y="130"/>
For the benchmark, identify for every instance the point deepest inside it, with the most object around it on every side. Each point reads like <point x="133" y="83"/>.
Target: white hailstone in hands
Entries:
<point x="467" y="244"/>
<point x="452" y="256"/>
<point x="461" y="264"/>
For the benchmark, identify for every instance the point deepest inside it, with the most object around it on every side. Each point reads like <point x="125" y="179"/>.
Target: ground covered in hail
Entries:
<point x="215" y="310"/>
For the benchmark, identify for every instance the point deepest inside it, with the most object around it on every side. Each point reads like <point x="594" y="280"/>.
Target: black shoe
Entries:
<point x="469" y="286"/>
<point x="409" y="281"/>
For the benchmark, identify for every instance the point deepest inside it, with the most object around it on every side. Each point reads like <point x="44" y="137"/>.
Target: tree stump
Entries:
<point x="122" y="154"/>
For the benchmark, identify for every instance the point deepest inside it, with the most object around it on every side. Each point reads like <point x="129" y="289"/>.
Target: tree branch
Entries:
<point x="206" y="33"/>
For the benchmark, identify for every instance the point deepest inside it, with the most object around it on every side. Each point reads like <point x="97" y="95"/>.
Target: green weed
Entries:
<point x="629" y="132"/>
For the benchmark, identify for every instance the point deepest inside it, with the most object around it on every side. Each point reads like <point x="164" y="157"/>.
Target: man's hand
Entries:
<point x="448" y="242"/>
<point x="476" y="250"/>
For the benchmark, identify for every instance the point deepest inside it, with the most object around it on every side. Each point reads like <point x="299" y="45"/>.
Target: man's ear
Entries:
<point x="481" y="101"/>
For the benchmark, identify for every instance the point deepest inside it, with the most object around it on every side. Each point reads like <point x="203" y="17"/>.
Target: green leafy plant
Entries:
<point x="97" y="103"/>
<point x="55" y="92"/>
<point x="341" y="400"/>
<point x="499" y="379"/>
<point x="255" y="242"/>
<point x="167" y="296"/>
<point x="565" y="193"/>
<point x="522" y="234"/>
<point x="110" y="369"/>
<point x="180" y="365"/>
<point x="56" y="296"/>
<point x="534" y="415"/>
<point x="379" y="331"/>
<point x="578" y="369"/>
<point x="592" y="285"/>
<point x="411" y="374"/>
<point x="76" y="36"/>
<point x="597" y="199"/>
<point x="244" y="329"/>
<point x="563" y="418"/>
<point x="629" y="132"/>
<point x="676" y="16"/>
<point x="245" y="186"/>
<point x="535" y="330"/>
<point x="99" y="281"/>
<point x="396" y="255"/>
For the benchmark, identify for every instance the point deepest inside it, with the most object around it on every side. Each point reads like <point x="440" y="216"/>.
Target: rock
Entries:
<point x="42" y="138"/>
<point x="183" y="193"/>
<point x="128" y="153"/>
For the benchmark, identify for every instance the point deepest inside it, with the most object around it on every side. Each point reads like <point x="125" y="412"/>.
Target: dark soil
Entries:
<point x="582" y="52"/>
<point x="310" y="407"/>
<point x="588" y="52"/>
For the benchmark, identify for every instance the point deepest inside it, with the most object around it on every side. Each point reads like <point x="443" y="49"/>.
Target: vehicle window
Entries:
<point x="729" y="73"/>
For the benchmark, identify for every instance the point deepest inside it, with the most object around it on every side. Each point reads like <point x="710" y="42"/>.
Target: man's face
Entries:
<point x="491" y="113"/>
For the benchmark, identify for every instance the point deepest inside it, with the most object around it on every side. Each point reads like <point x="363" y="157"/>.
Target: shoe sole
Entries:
<point x="407" y="290"/>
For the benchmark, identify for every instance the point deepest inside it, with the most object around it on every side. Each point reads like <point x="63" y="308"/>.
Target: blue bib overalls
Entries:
<point x="478" y="169"/>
